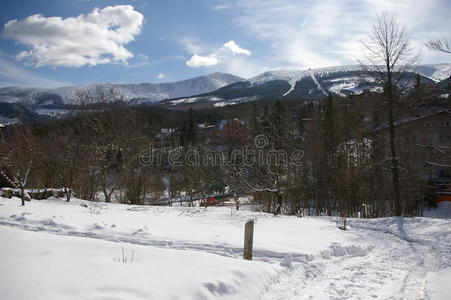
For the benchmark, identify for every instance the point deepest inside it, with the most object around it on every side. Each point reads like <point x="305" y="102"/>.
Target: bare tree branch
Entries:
<point x="441" y="44"/>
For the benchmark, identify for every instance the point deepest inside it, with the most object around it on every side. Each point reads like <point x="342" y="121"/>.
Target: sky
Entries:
<point x="52" y="43"/>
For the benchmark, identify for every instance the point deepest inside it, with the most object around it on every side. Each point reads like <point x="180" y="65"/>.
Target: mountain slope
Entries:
<point x="311" y="84"/>
<point x="150" y="92"/>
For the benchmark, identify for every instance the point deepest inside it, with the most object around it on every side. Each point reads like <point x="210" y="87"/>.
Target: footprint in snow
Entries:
<point x="18" y="218"/>
<point x="287" y="261"/>
<point x="138" y="231"/>
<point x="96" y="226"/>
<point x="49" y="222"/>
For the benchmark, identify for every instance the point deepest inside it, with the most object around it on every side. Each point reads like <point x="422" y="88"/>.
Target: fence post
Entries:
<point x="248" y="239"/>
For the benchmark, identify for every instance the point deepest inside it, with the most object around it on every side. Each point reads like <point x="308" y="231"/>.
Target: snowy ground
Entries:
<point x="56" y="250"/>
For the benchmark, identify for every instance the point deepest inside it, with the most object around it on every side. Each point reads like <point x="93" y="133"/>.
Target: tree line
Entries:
<point x="354" y="158"/>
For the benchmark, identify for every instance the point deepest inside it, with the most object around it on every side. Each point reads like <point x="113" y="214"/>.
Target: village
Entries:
<point x="430" y="131"/>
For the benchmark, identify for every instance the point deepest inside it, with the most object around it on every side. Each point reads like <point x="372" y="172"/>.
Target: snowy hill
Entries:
<point x="151" y="92"/>
<point x="311" y="84"/>
<point x="218" y="89"/>
<point x="145" y="252"/>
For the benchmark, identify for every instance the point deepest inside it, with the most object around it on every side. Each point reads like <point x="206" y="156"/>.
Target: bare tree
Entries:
<point x="20" y="158"/>
<point x="388" y="57"/>
<point x="62" y="155"/>
<point x="271" y="173"/>
<point x="115" y="137"/>
<point x="443" y="45"/>
<point x="440" y="44"/>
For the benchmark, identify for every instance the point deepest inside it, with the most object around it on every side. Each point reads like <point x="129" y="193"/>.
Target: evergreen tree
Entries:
<point x="279" y="121"/>
<point x="182" y="139"/>
<point x="329" y="124"/>
<point x="418" y="90"/>
<point x="190" y="132"/>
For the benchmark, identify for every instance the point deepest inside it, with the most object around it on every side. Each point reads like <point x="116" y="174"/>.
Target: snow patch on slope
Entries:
<point x="293" y="76"/>
<point x="435" y="72"/>
<point x="317" y="83"/>
<point x="152" y="92"/>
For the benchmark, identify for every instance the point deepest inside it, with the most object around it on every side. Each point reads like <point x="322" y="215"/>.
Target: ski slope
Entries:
<point x="57" y="250"/>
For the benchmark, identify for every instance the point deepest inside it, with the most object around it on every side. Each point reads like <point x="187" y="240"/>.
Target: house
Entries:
<point x="429" y="133"/>
<point x="205" y="133"/>
<point x="233" y="131"/>
<point x="431" y="128"/>
<point x="428" y="137"/>
<point x="226" y="132"/>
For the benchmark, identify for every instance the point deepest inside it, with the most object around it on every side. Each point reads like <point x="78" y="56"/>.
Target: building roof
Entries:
<point x="223" y="123"/>
<point x="415" y="118"/>
<point x="205" y="126"/>
<point x="164" y="132"/>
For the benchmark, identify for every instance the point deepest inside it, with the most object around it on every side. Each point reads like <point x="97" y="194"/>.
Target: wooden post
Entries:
<point x="248" y="239"/>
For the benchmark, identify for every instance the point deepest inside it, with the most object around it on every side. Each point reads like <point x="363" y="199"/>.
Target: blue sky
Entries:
<point x="53" y="43"/>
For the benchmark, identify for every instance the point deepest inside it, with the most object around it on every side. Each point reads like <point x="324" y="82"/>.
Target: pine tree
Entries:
<point x="418" y="90"/>
<point x="329" y="124"/>
<point x="279" y="121"/>
<point x="190" y="132"/>
<point x="329" y="170"/>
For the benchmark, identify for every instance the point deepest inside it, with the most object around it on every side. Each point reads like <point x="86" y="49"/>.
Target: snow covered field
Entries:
<point x="56" y="250"/>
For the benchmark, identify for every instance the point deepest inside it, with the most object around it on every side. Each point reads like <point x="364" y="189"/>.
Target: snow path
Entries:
<point x="140" y="237"/>
<point x="396" y="269"/>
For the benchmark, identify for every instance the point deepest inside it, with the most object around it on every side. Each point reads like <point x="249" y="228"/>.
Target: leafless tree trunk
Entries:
<point x="388" y="56"/>
<point x="21" y="178"/>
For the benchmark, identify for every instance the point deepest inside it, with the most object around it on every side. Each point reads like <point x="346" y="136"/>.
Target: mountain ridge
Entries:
<point x="310" y="84"/>
<point x="150" y="91"/>
<point x="214" y="90"/>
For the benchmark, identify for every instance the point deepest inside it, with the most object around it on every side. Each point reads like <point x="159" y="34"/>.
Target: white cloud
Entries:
<point x="232" y="46"/>
<point x="220" y="7"/>
<point x="138" y="61"/>
<point x="88" y="39"/>
<point x="197" y="61"/>
<point x="317" y="33"/>
<point x="219" y="56"/>
<point x="161" y="76"/>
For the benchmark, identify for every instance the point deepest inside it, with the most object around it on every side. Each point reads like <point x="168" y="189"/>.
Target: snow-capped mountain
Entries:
<point x="149" y="92"/>
<point x="311" y="84"/>
<point x="218" y="89"/>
